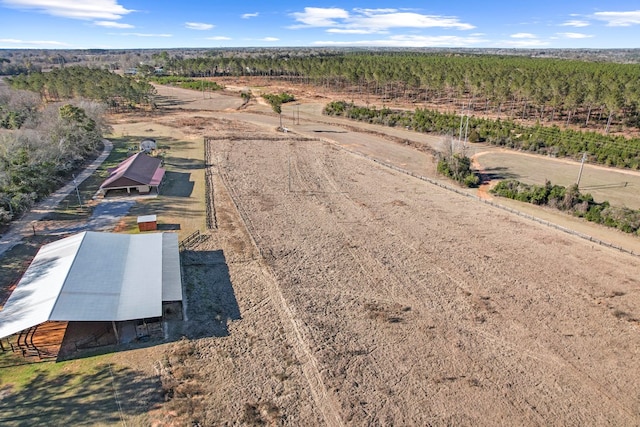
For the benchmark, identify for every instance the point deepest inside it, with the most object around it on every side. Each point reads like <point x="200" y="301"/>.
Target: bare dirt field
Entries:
<point x="405" y="305"/>
<point x="334" y="290"/>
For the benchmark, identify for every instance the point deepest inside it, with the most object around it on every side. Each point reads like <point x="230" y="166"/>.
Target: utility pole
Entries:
<point x="75" y="183"/>
<point x="466" y="132"/>
<point x="584" y="157"/>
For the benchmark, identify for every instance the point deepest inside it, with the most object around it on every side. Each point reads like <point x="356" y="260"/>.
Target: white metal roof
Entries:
<point x="171" y="273"/>
<point x="147" y="218"/>
<point x="96" y="277"/>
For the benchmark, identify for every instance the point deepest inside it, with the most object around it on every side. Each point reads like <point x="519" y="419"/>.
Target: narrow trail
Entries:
<point x="323" y="399"/>
<point x="24" y="226"/>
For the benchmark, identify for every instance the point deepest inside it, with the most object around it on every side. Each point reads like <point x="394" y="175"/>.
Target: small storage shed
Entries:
<point x="147" y="223"/>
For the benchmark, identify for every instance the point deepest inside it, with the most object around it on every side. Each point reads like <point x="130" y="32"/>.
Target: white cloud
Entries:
<point x="619" y="19"/>
<point x="320" y="17"/>
<point x="112" y="24"/>
<point x="198" y="26"/>
<point x="523" y="36"/>
<point x="346" y="31"/>
<point x="575" y="23"/>
<point x="86" y="9"/>
<point x="409" y="41"/>
<point x="523" y="43"/>
<point x="575" y="35"/>
<point x="366" y="21"/>
<point x="270" y="39"/>
<point x="250" y="15"/>
<point x="378" y="10"/>
<point x="219" y="38"/>
<point x="33" y="42"/>
<point x="142" y="34"/>
<point x="386" y="20"/>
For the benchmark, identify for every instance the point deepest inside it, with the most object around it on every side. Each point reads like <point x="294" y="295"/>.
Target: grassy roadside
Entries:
<point x="69" y="208"/>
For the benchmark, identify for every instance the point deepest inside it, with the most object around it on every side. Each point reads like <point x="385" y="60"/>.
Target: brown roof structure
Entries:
<point x="137" y="171"/>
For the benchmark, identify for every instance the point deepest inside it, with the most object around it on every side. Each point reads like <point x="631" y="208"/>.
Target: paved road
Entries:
<point x="23" y="226"/>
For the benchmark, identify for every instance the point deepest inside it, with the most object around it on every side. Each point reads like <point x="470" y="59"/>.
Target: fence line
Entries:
<point x="488" y="202"/>
<point x="190" y="241"/>
<point x="210" y="208"/>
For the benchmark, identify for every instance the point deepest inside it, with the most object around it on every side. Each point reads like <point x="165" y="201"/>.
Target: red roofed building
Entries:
<point x="139" y="172"/>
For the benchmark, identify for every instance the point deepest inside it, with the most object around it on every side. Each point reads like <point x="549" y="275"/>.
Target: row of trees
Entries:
<point x="549" y="140"/>
<point x="117" y="92"/>
<point x="41" y="153"/>
<point x="571" y="200"/>
<point x="187" y="83"/>
<point x="516" y="87"/>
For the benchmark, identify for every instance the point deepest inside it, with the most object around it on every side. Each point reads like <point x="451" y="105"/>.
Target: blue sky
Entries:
<point x="124" y="24"/>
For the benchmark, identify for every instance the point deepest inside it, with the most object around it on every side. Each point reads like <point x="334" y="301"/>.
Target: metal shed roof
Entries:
<point x="96" y="277"/>
<point x="138" y="169"/>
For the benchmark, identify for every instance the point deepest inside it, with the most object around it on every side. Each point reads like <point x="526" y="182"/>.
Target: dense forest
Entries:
<point x="576" y="92"/>
<point x="41" y="145"/>
<point x="53" y="121"/>
<point x="117" y="92"/>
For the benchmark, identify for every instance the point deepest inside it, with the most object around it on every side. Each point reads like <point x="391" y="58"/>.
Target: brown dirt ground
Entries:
<point x="342" y="292"/>
<point x="337" y="291"/>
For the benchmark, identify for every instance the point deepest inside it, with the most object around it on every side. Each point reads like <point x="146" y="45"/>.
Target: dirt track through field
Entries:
<point x="323" y="400"/>
<point x="406" y="306"/>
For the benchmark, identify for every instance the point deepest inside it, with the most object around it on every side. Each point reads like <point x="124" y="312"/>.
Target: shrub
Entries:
<point x="458" y="168"/>
<point x="571" y="200"/>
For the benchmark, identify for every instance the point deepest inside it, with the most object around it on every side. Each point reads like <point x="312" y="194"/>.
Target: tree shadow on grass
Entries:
<point x="104" y="394"/>
<point x="497" y="173"/>
<point x="184" y="164"/>
<point x="211" y="300"/>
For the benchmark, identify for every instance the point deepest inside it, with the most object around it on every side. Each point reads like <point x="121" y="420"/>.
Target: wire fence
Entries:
<point x="488" y="202"/>
<point x="212" y="221"/>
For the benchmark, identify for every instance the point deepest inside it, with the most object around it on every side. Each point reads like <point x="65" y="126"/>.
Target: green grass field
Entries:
<point x="619" y="187"/>
<point x="88" y="391"/>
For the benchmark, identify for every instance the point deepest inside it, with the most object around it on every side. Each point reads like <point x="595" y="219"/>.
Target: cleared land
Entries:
<point x="418" y="306"/>
<point x="337" y="291"/>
